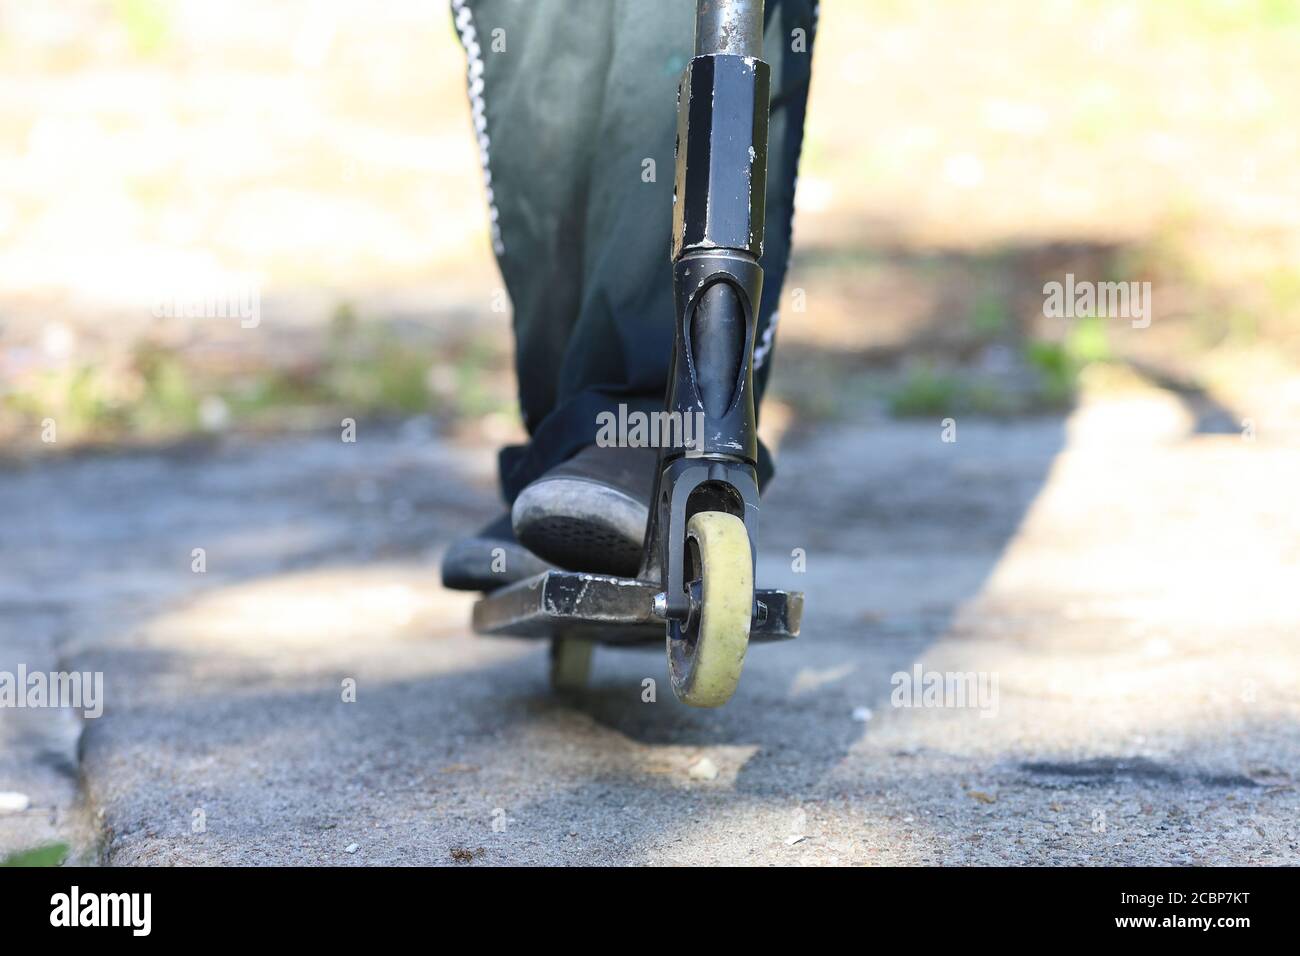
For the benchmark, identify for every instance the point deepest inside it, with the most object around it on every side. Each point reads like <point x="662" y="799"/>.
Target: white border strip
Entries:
<point x="478" y="109"/>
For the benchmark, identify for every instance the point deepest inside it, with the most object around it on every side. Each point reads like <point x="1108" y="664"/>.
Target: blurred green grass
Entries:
<point x="146" y="23"/>
<point x="52" y="854"/>
<point x="157" y="392"/>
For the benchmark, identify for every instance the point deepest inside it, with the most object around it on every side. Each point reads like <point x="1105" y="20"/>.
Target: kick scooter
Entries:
<point x="696" y="580"/>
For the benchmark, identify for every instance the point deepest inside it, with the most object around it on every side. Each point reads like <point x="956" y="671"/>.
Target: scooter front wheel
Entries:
<point x="706" y="655"/>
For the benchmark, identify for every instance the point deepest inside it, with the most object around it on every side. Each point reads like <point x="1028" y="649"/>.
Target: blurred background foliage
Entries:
<point x="959" y="155"/>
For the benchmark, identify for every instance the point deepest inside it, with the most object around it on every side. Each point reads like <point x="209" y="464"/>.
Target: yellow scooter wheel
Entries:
<point x="705" y="658"/>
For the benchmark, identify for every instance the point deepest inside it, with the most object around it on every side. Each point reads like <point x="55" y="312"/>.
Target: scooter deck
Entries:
<point x="608" y="610"/>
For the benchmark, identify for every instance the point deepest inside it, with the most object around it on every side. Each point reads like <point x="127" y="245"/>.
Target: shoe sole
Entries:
<point x="581" y="525"/>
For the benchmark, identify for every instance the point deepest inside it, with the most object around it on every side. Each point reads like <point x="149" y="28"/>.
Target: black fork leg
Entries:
<point x="718" y="198"/>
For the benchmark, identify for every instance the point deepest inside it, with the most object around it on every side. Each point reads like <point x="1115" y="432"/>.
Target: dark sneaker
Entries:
<point x="589" y="513"/>
<point x="475" y="564"/>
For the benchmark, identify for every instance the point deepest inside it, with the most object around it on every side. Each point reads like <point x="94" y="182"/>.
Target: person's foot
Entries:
<point x="476" y="564"/>
<point x="589" y="513"/>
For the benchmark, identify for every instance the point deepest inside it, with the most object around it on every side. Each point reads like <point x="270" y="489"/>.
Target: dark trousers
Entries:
<point x="574" y="105"/>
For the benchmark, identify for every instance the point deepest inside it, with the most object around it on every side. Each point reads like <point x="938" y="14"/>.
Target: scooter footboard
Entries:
<point x="609" y="610"/>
